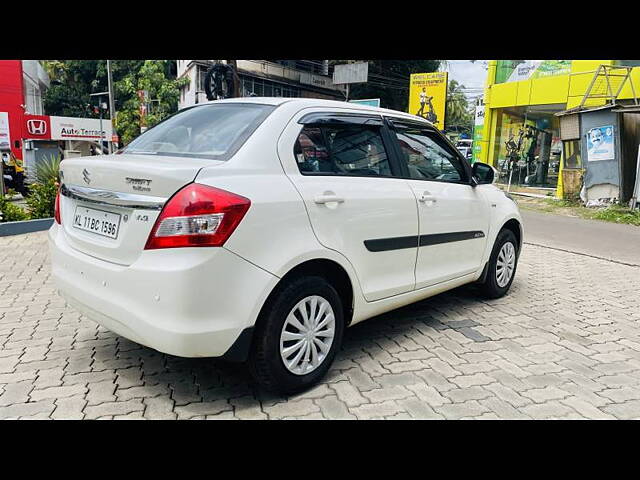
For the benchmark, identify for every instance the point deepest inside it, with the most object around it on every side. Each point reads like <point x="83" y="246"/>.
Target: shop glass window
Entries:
<point x="572" y="158"/>
<point x="427" y="158"/>
<point x="247" y="86"/>
<point x="352" y="150"/>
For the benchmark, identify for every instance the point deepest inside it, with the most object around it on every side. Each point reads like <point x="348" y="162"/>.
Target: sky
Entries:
<point x="470" y="74"/>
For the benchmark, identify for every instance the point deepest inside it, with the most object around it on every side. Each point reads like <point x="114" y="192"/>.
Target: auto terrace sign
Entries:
<point x="66" y="128"/>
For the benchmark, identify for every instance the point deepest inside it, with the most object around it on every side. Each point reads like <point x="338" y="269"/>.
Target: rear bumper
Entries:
<point x="189" y="302"/>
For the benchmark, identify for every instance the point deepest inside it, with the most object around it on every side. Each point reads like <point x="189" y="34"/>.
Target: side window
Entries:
<point x="341" y="150"/>
<point x="427" y="157"/>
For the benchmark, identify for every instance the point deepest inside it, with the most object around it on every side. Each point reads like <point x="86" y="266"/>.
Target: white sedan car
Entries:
<point x="258" y="229"/>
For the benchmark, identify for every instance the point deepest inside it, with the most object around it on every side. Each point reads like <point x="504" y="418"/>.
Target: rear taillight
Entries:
<point x="198" y="216"/>
<point x="56" y="211"/>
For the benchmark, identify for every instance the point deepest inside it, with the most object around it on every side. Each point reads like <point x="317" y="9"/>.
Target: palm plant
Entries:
<point x="48" y="169"/>
<point x="458" y="112"/>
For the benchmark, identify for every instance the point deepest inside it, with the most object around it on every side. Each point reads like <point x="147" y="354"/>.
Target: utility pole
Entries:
<point x="100" y="103"/>
<point x="236" y="78"/>
<point x="112" y="108"/>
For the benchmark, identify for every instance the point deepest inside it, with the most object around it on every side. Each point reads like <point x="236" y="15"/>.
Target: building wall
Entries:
<point x="294" y="82"/>
<point x="11" y="99"/>
<point x="567" y="90"/>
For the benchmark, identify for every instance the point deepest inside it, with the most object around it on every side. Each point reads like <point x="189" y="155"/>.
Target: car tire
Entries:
<point x="276" y="334"/>
<point x="496" y="284"/>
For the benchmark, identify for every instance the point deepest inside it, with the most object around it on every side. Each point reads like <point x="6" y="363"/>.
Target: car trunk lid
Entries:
<point x="110" y="203"/>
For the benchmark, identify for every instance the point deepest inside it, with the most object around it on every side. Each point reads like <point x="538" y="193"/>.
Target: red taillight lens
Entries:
<point x="56" y="211"/>
<point x="198" y="216"/>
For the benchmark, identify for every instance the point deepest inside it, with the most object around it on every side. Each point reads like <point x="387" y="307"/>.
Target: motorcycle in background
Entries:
<point x="13" y="174"/>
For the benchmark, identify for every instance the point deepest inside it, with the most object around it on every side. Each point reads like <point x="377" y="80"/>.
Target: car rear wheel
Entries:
<point x="502" y="265"/>
<point x="297" y="336"/>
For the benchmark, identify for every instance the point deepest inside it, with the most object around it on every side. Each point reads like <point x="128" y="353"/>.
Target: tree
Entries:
<point x="389" y="81"/>
<point x="163" y="92"/>
<point x="459" y="117"/>
<point x="72" y="82"/>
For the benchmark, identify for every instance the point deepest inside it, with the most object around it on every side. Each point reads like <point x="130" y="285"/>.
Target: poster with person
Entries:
<point x="600" y="144"/>
<point x="428" y="97"/>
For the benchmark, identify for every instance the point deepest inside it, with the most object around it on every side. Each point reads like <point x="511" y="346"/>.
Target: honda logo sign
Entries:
<point x="37" y="127"/>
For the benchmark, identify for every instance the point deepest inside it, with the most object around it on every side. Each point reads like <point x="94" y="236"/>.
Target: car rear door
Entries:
<point x="453" y="215"/>
<point x="341" y="166"/>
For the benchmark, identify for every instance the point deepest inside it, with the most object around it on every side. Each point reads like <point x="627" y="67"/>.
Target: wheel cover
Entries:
<point x="505" y="264"/>
<point x="307" y="335"/>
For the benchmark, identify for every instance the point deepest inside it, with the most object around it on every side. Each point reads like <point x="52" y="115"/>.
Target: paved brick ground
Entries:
<point x="564" y="344"/>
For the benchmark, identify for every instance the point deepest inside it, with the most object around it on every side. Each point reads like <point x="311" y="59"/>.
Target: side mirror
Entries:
<point x="483" y="174"/>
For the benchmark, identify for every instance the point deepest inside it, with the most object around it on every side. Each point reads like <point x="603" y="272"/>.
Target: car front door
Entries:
<point x="453" y="215"/>
<point x="342" y="168"/>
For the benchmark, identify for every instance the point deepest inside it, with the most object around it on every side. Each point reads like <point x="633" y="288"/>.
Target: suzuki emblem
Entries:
<point x="37" y="127"/>
<point x="86" y="176"/>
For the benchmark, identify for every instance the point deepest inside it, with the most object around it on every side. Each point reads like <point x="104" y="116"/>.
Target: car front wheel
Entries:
<point x="297" y="336"/>
<point x="502" y="265"/>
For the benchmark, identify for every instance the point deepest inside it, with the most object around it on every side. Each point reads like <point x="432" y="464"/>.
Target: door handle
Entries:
<point x="321" y="199"/>
<point x="427" y="198"/>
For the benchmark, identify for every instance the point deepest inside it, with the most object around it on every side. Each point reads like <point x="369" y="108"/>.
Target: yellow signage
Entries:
<point x="428" y="96"/>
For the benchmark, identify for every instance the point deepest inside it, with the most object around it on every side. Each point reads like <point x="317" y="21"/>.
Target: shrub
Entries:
<point x="10" y="212"/>
<point x="41" y="201"/>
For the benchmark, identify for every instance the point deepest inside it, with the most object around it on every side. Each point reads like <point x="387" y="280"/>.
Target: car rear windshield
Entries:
<point x="206" y="131"/>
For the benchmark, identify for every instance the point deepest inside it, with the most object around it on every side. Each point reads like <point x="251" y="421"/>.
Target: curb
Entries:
<point x="26" y="226"/>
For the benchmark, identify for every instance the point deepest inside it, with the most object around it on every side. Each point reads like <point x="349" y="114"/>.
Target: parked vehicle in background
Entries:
<point x="465" y="146"/>
<point x="13" y="174"/>
<point x="258" y="229"/>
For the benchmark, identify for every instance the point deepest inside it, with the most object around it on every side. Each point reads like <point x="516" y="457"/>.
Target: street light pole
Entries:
<point x="112" y="108"/>
<point x="99" y="95"/>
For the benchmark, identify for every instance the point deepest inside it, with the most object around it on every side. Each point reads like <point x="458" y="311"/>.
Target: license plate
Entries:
<point x="92" y="220"/>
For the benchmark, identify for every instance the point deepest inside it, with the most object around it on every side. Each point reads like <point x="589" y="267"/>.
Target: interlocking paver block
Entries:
<point x="248" y="408"/>
<point x="540" y="352"/>
<point x="69" y="408"/>
<point x="159" y="408"/>
<point x="376" y="410"/>
<point x="16" y="393"/>
<point x="292" y="408"/>
<point x="101" y="392"/>
<point x="388" y="393"/>
<point x="348" y="394"/>
<point x="58" y="392"/>
<point x="114" y="408"/>
<point x="26" y="409"/>
<point x="334" y="409"/>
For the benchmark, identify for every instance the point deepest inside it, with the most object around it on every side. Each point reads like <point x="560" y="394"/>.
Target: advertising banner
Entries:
<point x="516" y="70"/>
<point x="428" y="97"/>
<point x="478" y="130"/>
<point x="72" y="128"/>
<point x="600" y="144"/>
<point x="5" y="137"/>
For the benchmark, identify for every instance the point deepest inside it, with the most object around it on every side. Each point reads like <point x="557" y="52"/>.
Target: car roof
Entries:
<point x="318" y="102"/>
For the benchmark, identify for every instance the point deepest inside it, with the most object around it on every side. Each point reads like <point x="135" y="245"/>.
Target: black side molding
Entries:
<point x="437" y="238"/>
<point x="394" y="243"/>
<point x="397" y="243"/>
